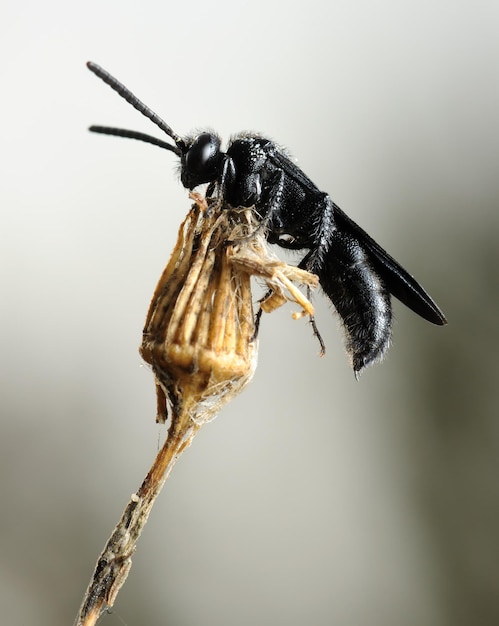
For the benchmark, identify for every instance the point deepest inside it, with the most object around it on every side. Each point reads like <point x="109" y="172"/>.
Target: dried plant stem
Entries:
<point x="199" y="339"/>
<point x="115" y="560"/>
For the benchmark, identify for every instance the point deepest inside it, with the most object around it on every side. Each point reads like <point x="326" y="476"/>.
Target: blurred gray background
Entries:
<point x="313" y="498"/>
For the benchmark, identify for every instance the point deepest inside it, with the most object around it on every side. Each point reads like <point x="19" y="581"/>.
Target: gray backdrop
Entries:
<point x="313" y="498"/>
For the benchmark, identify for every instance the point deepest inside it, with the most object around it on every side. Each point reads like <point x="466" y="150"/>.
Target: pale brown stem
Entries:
<point x="115" y="560"/>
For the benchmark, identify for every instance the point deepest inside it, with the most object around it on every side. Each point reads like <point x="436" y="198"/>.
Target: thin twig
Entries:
<point x="115" y="560"/>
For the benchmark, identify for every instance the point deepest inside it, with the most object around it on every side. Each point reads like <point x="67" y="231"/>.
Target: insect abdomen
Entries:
<point x="360" y="298"/>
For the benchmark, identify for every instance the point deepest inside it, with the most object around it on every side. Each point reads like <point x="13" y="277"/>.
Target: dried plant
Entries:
<point x="199" y="340"/>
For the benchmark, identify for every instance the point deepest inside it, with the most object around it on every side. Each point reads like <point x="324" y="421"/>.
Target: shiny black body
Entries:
<point x="356" y="274"/>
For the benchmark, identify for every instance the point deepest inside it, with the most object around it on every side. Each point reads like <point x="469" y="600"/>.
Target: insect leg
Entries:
<point x="270" y="206"/>
<point x="348" y="278"/>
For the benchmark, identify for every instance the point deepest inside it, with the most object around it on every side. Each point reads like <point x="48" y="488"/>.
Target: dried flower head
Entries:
<point x="199" y="336"/>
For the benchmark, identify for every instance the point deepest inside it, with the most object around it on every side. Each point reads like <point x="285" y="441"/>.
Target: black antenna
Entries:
<point x="133" y="134"/>
<point x="125" y="93"/>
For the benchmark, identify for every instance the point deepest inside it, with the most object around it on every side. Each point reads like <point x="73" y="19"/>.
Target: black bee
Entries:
<point x="354" y="271"/>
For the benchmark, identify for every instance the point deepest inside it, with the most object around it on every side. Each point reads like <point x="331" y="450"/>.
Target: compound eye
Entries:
<point x="203" y="158"/>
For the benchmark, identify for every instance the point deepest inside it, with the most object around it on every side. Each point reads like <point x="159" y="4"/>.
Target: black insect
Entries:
<point x="354" y="271"/>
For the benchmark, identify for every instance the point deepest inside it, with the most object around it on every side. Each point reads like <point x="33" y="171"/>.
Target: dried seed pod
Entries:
<point x="199" y="332"/>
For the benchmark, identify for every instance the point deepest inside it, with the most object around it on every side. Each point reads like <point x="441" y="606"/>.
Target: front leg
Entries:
<point x="268" y="206"/>
<point x="270" y="202"/>
<point x="272" y="194"/>
<point x="322" y="230"/>
<point x="226" y="180"/>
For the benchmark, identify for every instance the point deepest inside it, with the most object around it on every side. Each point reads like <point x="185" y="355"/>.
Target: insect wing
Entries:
<point x="398" y="281"/>
<point x="290" y="168"/>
